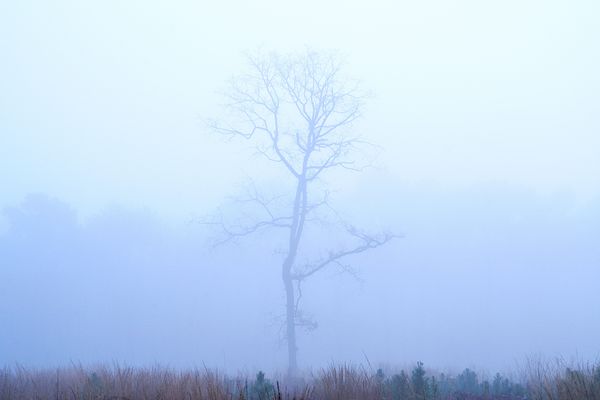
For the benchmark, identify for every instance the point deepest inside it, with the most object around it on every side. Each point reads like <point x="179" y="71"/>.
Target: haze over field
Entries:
<point x="486" y="120"/>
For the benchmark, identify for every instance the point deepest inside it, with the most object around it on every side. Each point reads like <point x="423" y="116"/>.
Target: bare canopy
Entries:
<point x="298" y="111"/>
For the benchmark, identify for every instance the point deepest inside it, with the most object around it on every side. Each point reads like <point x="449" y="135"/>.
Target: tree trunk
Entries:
<point x="298" y="217"/>
<point x="290" y="316"/>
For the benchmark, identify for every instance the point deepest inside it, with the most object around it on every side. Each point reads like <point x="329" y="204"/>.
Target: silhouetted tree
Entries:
<point x="468" y="382"/>
<point x="261" y="389"/>
<point x="400" y="387"/>
<point x="485" y="388"/>
<point x="297" y="110"/>
<point x="419" y="382"/>
<point x="434" y="390"/>
<point x="498" y="385"/>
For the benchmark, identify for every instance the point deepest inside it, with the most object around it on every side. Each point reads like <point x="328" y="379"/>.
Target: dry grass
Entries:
<point x="116" y="383"/>
<point x="544" y="382"/>
<point x="346" y="383"/>
<point x="560" y="381"/>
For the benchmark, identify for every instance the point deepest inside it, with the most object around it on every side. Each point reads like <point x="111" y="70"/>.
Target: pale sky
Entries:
<point x="487" y="117"/>
<point x="102" y="101"/>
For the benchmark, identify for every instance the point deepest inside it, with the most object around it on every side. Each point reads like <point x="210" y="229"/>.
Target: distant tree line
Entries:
<point x="539" y="382"/>
<point x="418" y="385"/>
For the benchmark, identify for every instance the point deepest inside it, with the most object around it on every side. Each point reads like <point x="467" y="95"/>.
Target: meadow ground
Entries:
<point x="538" y="381"/>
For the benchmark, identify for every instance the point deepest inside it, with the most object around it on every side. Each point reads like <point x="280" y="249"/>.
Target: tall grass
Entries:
<point x="116" y="383"/>
<point x="560" y="381"/>
<point x="345" y="382"/>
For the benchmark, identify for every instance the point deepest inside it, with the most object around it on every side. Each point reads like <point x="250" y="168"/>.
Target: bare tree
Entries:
<point x="298" y="111"/>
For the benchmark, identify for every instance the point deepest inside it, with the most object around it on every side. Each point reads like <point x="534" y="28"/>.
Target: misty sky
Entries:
<point x="487" y="117"/>
<point x="103" y="101"/>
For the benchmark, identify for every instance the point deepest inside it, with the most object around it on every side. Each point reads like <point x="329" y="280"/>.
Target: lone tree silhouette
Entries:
<point x="298" y="111"/>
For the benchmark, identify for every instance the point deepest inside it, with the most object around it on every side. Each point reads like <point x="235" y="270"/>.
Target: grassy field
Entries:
<point x="538" y="382"/>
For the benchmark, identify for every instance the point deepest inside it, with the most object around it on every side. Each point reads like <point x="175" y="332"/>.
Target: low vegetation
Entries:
<point x="538" y="382"/>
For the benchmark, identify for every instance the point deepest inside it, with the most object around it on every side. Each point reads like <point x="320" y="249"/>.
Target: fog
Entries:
<point x="485" y="121"/>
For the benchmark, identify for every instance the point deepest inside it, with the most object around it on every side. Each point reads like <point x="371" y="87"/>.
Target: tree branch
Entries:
<point x="367" y="242"/>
